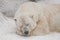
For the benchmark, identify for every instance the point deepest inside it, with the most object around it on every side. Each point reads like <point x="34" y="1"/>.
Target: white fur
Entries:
<point x="43" y="17"/>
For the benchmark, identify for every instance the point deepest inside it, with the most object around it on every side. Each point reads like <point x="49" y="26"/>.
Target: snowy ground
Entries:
<point x="54" y="36"/>
<point x="8" y="31"/>
<point x="9" y="7"/>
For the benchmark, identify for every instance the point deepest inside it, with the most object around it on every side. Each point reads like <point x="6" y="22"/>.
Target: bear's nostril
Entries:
<point x="26" y="32"/>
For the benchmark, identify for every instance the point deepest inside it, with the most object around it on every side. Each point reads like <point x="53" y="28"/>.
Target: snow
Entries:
<point x="49" y="1"/>
<point x="10" y="36"/>
<point x="8" y="31"/>
<point x="9" y="7"/>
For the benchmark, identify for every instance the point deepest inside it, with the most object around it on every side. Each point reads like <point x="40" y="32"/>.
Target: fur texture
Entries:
<point x="38" y="19"/>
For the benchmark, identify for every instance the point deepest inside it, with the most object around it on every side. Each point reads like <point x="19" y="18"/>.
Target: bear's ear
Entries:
<point x="35" y="18"/>
<point x="15" y="19"/>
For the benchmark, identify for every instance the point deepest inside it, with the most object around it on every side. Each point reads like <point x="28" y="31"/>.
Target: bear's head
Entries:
<point x="26" y="24"/>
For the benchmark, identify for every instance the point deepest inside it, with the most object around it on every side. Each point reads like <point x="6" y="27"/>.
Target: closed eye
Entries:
<point x="27" y="24"/>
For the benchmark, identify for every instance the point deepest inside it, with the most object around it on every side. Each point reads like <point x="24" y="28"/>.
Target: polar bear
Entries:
<point x="34" y="19"/>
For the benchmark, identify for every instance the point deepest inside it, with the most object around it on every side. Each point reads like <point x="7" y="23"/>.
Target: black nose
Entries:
<point x="26" y="32"/>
